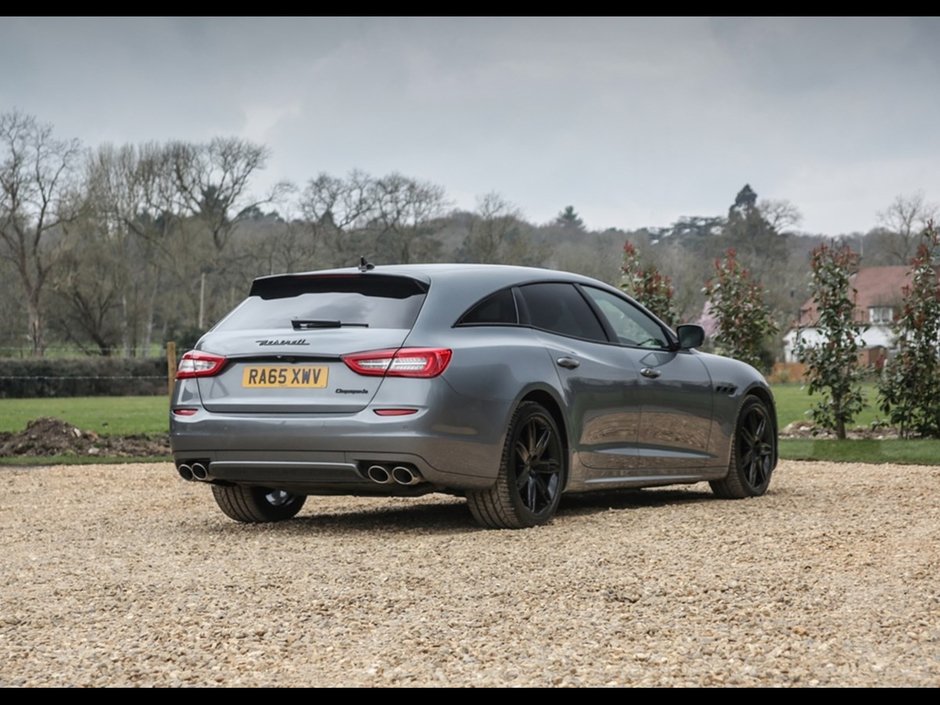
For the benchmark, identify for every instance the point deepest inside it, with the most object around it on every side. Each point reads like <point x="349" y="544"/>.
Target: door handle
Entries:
<point x="567" y="362"/>
<point x="650" y="372"/>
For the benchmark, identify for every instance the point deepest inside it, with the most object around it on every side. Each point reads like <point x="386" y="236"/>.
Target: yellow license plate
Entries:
<point x="279" y="377"/>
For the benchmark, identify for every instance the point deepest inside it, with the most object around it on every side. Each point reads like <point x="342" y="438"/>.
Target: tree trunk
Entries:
<point x="148" y="318"/>
<point x="126" y="331"/>
<point x="35" y="322"/>
<point x="839" y="418"/>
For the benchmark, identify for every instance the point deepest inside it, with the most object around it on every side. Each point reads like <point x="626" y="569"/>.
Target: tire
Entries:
<point x="254" y="505"/>
<point x="531" y="474"/>
<point x="753" y="453"/>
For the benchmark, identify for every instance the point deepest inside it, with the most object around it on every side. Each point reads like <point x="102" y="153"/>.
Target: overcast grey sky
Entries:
<point x="634" y="121"/>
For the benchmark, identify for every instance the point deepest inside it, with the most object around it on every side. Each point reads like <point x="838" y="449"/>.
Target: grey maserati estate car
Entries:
<point x="507" y="385"/>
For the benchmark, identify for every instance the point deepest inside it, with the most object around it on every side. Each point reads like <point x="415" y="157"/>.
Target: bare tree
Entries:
<point x="212" y="182"/>
<point x="173" y="209"/>
<point x="336" y="211"/>
<point x="211" y="187"/>
<point x="36" y="177"/>
<point x="780" y="214"/>
<point x="903" y="222"/>
<point x="282" y="247"/>
<point x="131" y="190"/>
<point x="406" y="208"/>
<point x="688" y="270"/>
<point x="13" y="322"/>
<point x="494" y="231"/>
<point x="88" y="286"/>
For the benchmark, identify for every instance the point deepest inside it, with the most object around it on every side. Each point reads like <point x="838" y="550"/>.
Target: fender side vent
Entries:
<point x="726" y="388"/>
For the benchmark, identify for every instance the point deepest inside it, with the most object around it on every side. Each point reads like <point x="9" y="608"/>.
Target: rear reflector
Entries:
<point x="185" y="411"/>
<point x="196" y="363"/>
<point x="395" y="412"/>
<point x="404" y="362"/>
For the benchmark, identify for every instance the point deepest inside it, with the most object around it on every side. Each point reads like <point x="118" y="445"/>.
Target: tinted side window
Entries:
<point x="630" y="324"/>
<point x="499" y="308"/>
<point x="559" y="308"/>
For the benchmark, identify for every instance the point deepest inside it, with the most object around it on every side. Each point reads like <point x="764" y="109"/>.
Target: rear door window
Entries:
<point x="560" y="308"/>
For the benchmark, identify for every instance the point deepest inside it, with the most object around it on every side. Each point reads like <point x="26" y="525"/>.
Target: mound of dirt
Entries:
<point x="50" y="436"/>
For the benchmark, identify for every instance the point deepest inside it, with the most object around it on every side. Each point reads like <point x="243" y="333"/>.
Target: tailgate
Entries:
<point x="293" y="372"/>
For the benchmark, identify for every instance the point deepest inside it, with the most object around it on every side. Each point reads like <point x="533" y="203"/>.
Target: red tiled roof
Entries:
<point x="874" y="286"/>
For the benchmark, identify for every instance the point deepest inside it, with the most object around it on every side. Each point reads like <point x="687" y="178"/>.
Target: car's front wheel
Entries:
<point x="753" y="453"/>
<point x="254" y="505"/>
<point x="531" y="474"/>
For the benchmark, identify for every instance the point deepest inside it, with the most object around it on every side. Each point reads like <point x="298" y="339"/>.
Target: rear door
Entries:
<point x="599" y="380"/>
<point x="284" y="344"/>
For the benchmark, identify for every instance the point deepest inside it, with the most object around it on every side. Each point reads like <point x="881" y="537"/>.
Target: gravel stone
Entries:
<point x="126" y="575"/>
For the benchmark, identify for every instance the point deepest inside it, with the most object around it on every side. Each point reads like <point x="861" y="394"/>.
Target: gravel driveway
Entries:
<point x="125" y="575"/>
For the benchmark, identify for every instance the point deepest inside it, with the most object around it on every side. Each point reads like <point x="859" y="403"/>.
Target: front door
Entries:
<point x="675" y="390"/>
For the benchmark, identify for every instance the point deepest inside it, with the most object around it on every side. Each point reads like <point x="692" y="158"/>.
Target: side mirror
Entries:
<point x="690" y="336"/>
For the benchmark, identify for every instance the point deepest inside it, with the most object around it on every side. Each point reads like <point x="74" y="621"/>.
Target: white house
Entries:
<point x="878" y="295"/>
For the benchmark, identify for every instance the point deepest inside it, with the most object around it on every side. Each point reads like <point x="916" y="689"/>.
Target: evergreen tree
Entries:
<point x="647" y="285"/>
<point x="737" y="302"/>
<point x="569" y="218"/>
<point x="910" y="385"/>
<point x="832" y="366"/>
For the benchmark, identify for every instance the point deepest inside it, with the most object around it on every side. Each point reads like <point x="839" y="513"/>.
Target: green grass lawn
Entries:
<point x="910" y="452"/>
<point x="148" y="415"/>
<point x="116" y="416"/>
<point x="794" y="402"/>
<point x="124" y="415"/>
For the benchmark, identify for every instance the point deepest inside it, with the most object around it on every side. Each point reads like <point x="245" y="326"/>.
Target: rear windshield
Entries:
<point x="376" y="301"/>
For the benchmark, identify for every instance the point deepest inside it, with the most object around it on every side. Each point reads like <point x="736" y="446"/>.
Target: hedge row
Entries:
<point x="81" y="377"/>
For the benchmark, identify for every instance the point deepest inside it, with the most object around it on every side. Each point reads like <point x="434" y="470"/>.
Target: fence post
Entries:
<point x="170" y="367"/>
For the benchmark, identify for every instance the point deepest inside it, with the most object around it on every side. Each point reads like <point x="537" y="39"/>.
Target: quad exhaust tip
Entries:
<point x="388" y="474"/>
<point x="379" y="474"/>
<point x="405" y="476"/>
<point x="193" y="471"/>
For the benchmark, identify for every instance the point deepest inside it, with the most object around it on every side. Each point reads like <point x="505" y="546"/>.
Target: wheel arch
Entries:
<point x="502" y="505"/>
<point x="766" y="396"/>
<point x="552" y="405"/>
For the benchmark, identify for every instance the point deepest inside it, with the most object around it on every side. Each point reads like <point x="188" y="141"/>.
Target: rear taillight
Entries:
<point x="199" y="364"/>
<point x="406" y="362"/>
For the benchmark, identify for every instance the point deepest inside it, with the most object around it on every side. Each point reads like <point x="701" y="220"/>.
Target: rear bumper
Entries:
<point x="317" y="477"/>
<point x="331" y="452"/>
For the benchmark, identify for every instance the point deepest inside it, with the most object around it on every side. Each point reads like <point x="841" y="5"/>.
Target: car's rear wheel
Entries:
<point x="753" y="453"/>
<point x="257" y="504"/>
<point x="531" y="474"/>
